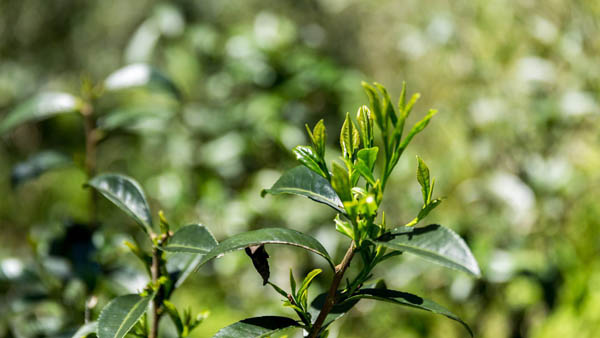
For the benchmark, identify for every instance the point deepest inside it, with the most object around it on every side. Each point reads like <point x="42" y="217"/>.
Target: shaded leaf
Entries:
<point x="259" y="257"/>
<point x="256" y="327"/>
<point x="268" y="236"/>
<point x="193" y="238"/>
<point x="437" y="244"/>
<point x="119" y="316"/>
<point x="125" y="193"/>
<point x="40" y="107"/>
<point x="140" y="75"/>
<point x="341" y="182"/>
<point x="303" y="181"/>
<point x="407" y="299"/>
<point x="338" y="310"/>
<point x="37" y="165"/>
<point x="86" y="330"/>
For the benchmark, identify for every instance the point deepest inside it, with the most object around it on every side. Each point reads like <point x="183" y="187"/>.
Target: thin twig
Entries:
<point x="335" y="283"/>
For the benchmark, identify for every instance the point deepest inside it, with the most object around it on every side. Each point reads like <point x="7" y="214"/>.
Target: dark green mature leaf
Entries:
<point x="125" y="193"/>
<point x="37" y="165"/>
<point x="338" y="310"/>
<point x="256" y="327"/>
<point x="437" y="244"/>
<point x="40" y="107"/>
<point x="119" y="316"/>
<point x="193" y="238"/>
<point x="407" y="299"/>
<point x="303" y="181"/>
<point x="140" y="75"/>
<point x="268" y="236"/>
<point x="86" y="330"/>
<point x="181" y="264"/>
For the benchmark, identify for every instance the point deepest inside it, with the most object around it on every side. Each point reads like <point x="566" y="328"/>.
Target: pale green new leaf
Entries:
<point x="306" y="156"/>
<point x="40" y="107"/>
<point x="125" y="193"/>
<point x="423" y="178"/>
<point x="119" y="316"/>
<point x="341" y="182"/>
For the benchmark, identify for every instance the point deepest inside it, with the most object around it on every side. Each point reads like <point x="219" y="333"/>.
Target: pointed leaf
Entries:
<point x="387" y="106"/>
<point x="319" y="137"/>
<point x="37" y="165"/>
<point x="256" y="327"/>
<point x="140" y="75"/>
<point x="375" y="104"/>
<point x="365" y="123"/>
<point x="40" y="107"/>
<point x="303" y="181"/>
<point x="417" y="128"/>
<point x="86" y="330"/>
<point x="407" y="299"/>
<point x="423" y="178"/>
<point x="306" y="156"/>
<point x="193" y="238"/>
<point x="268" y="236"/>
<point x="125" y="193"/>
<point x="347" y="137"/>
<point x="437" y="244"/>
<point x="119" y="316"/>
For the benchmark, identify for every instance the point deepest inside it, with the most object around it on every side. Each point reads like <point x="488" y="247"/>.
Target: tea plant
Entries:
<point x="101" y="115"/>
<point x="168" y="263"/>
<point x="355" y="189"/>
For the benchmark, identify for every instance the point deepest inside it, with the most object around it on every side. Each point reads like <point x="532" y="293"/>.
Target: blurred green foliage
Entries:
<point x="515" y="147"/>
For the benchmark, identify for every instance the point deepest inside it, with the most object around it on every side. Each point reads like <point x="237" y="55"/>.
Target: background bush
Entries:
<point x="514" y="148"/>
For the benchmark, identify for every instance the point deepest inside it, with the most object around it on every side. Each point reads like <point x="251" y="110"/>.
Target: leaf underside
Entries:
<point x="305" y="182"/>
<point x="256" y="327"/>
<point x="268" y="236"/>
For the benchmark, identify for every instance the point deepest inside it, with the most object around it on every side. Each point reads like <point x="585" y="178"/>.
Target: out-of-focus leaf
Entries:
<point x="303" y="181"/>
<point x="86" y="330"/>
<point x="125" y="193"/>
<point x="40" y="107"/>
<point x="193" y="238"/>
<point x="437" y="244"/>
<point x="37" y="165"/>
<point x="119" y="316"/>
<point x="130" y="118"/>
<point x="268" y="236"/>
<point x="140" y="75"/>
<point x="256" y="327"/>
<point x="407" y="299"/>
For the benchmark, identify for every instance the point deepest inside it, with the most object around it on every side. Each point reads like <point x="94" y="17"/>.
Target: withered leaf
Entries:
<point x="259" y="256"/>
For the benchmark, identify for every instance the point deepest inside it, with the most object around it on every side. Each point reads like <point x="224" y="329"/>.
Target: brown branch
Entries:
<point x="335" y="283"/>
<point x="155" y="271"/>
<point x="91" y="140"/>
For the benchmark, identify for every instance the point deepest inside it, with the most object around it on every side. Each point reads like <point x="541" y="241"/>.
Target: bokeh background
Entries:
<point x="515" y="150"/>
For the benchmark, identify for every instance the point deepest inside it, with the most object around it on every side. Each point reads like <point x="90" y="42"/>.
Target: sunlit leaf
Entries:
<point x="423" y="178"/>
<point x="125" y="193"/>
<point x="40" y="107"/>
<point x="256" y="327"/>
<point x="37" y="165"/>
<point x="303" y="181"/>
<point x="306" y="156"/>
<point x="437" y="244"/>
<point x="269" y="236"/>
<point x="119" y="316"/>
